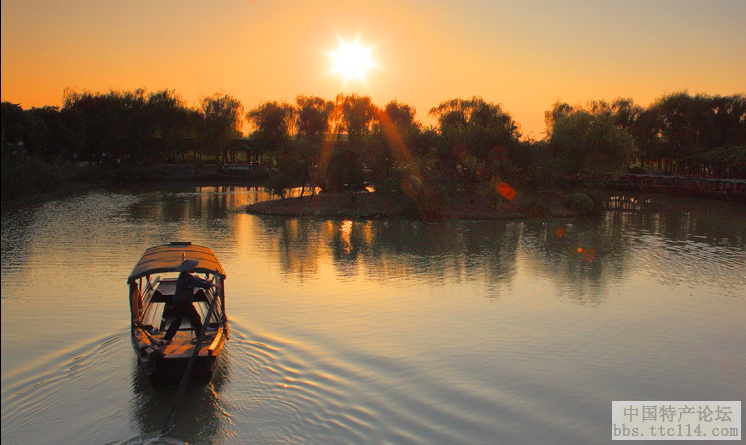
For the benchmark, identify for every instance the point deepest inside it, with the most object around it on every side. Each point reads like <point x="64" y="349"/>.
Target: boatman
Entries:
<point x="184" y="297"/>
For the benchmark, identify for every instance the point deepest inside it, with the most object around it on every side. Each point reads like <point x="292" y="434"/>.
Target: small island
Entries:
<point x="374" y="206"/>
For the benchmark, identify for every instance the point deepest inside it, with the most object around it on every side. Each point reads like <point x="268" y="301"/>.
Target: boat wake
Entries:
<point x="151" y="438"/>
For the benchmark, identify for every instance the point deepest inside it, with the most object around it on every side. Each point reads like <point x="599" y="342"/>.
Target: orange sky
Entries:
<point x="524" y="55"/>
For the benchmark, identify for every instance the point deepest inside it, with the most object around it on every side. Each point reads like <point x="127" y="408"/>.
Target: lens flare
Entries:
<point x="506" y="191"/>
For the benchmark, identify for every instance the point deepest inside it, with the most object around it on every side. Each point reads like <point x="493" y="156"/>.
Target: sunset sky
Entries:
<point x="525" y="55"/>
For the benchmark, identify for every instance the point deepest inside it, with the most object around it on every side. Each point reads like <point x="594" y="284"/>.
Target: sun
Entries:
<point x="352" y="60"/>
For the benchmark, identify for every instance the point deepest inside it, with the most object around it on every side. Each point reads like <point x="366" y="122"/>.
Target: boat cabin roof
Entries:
<point x="166" y="258"/>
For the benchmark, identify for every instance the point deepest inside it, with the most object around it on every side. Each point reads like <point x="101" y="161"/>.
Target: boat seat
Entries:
<point x="158" y="297"/>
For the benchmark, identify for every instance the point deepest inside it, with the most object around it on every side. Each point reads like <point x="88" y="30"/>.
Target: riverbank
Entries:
<point x="374" y="206"/>
<point x="28" y="179"/>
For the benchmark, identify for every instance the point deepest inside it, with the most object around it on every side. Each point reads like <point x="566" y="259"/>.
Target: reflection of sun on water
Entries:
<point x="345" y="231"/>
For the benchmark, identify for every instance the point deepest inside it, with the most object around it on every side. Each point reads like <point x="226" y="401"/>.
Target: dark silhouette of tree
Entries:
<point x="23" y="131"/>
<point x="65" y="131"/>
<point x="475" y="137"/>
<point x="391" y="156"/>
<point x="167" y="116"/>
<point x="341" y="143"/>
<point x="313" y="126"/>
<point x="729" y="120"/>
<point x="401" y="115"/>
<point x="110" y="119"/>
<point x="680" y="133"/>
<point x="273" y="122"/>
<point x="342" y="163"/>
<point x="32" y="157"/>
<point x="585" y="141"/>
<point x="313" y="117"/>
<point x="686" y="122"/>
<point x="169" y="121"/>
<point x="223" y="116"/>
<point x="559" y="109"/>
<point x="11" y="116"/>
<point x="344" y="169"/>
<point x="118" y="123"/>
<point x="625" y="113"/>
<point x="358" y="115"/>
<point x="693" y="132"/>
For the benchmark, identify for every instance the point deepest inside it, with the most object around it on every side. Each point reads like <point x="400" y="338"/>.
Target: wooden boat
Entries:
<point x="152" y="283"/>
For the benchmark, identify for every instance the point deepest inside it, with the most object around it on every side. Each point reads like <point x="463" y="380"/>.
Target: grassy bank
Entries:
<point x="463" y="206"/>
<point x="28" y="178"/>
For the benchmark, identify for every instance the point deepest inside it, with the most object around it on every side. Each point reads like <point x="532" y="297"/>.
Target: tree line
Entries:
<point x="338" y="144"/>
<point x="90" y="126"/>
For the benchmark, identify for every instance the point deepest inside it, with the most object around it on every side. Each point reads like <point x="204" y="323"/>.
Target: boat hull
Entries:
<point x="165" y="365"/>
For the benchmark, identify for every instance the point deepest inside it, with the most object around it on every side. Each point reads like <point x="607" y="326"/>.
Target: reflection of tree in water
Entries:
<point x="672" y="240"/>
<point x="180" y="203"/>
<point x="445" y="251"/>
<point x="200" y="418"/>
<point x="692" y="238"/>
<point x="380" y="250"/>
<point x="583" y="257"/>
<point x="189" y="213"/>
<point x="17" y="236"/>
<point x="298" y="242"/>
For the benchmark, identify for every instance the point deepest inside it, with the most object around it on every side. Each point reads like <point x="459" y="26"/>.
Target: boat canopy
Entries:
<point x="166" y="258"/>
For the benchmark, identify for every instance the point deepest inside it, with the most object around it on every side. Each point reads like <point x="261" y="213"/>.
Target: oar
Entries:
<point x="171" y="417"/>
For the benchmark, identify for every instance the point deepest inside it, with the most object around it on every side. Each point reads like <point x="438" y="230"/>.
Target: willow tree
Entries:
<point x="587" y="142"/>
<point x="343" y="163"/>
<point x="110" y="120"/>
<point x="358" y="115"/>
<point x="223" y="115"/>
<point x="312" y="123"/>
<point x="391" y="156"/>
<point x="273" y="122"/>
<point x="475" y="137"/>
<point x="313" y="116"/>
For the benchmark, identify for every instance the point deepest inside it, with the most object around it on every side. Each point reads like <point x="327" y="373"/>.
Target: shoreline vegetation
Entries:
<point x="474" y="163"/>
<point x="36" y="182"/>
<point x="374" y="206"/>
<point x="574" y="201"/>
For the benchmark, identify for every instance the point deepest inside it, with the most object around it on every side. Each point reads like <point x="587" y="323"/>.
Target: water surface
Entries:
<point x="395" y="331"/>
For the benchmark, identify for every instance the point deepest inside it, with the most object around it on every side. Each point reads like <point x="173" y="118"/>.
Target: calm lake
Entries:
<point x="380" y="332"/>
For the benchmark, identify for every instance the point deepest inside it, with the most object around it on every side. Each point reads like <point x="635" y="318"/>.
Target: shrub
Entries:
<point x="581" y="204"/>
<point x="389" y="187"/>
<point x="277" y="185"/>
<point x="24" y="175"/>
<point x="425" y="207"/>
<point x="491" y="192"/>
<point x="536" y="207"/>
